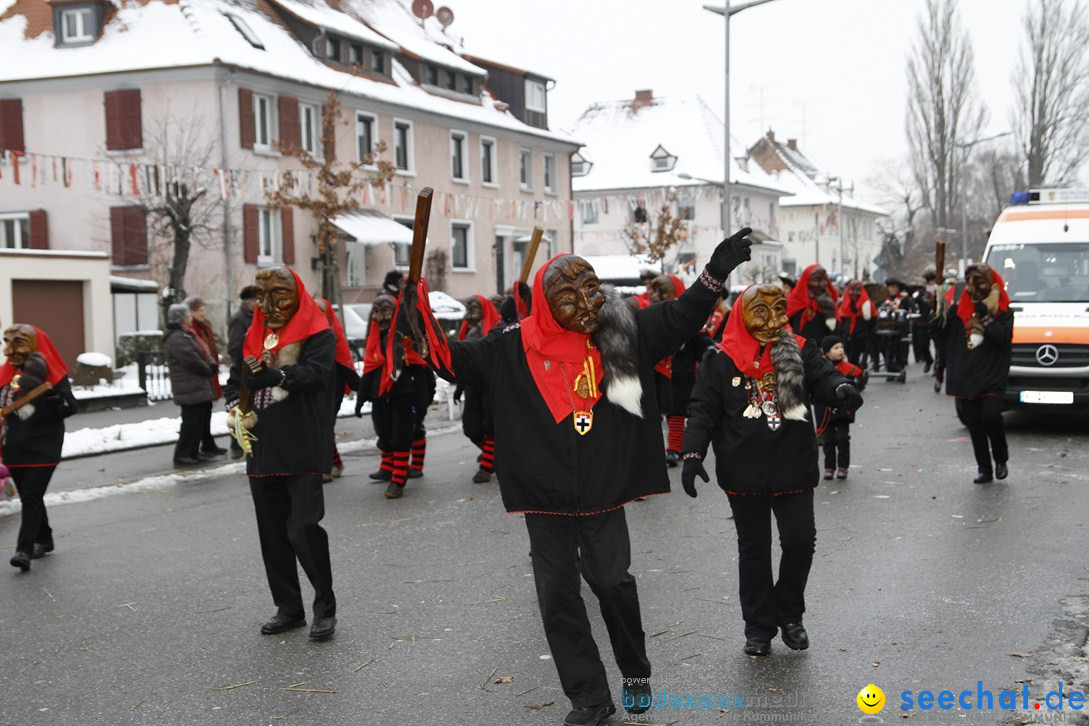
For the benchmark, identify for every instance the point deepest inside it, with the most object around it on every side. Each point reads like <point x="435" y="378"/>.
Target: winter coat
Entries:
<point x="294" y="433"/>
<point x="825" y="415"/>
<point x="236" y="332"/>
<point x="983" y="370"/>
<point x="204" y="331"/>
<point x="548" y="467"/>
<point x="191" y="372"/>
<point x="39" y="439"/>
<point x="685" y="362"/>
<point x="750" y="458"/>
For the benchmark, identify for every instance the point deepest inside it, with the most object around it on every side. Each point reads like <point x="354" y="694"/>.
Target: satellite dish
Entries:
<point x="445" y="16"/>
<point x="423" y="9"/>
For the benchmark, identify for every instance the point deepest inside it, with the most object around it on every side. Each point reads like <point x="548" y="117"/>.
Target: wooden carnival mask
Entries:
<point x="474" y="313"/>
<point x="277" y="296"/>
<point x="854" y="289"/>
<point x="19" y="342"/>
<point x="978" y="281"/>
<point x="763" y="309"/>
<point x="661" y="289"/>
<point x="818" y="282"/>
<point x="573" y="293"/>
<point x="382" y="312"/>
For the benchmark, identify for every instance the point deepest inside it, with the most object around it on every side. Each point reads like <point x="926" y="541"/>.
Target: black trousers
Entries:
<point x="837" y="440"/>
<point x="289" y="510"/>
<point x="394" y="419"/>
<point x="920" y="342"/>
<point x="857" y="346"/>
<point x="32" y="481"/>
<point x="983" y="417"/>
<point x="207" y="441"/>
<point x="765" y="603"/>
<point x="194" y="418"/>
<point x="598" y="547"/>
<point x="476" y="420"/>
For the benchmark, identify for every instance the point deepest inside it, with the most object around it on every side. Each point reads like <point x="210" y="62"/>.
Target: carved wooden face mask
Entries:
<point x="818" y="282"/>
<point x="277" y="296"/>
<point x="382" y="312"/>
<point x="763" y="309"/>
<point x="661" y="289"/>
<point x="574" y="294"/>
<point x="978" y="282"/>
<point x="854" y="289"/>
<point x="474" y="313"/>
<point x="19" y="342"/>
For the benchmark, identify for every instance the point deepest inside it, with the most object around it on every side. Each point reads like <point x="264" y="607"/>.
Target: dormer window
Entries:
<point x="77" y="24"/>
<point x="662" y="160"/>
<point x="378" y="61"/>
<point x="432" y="76"/>
<point x="332" y="48"/>
<point x="355" y="54"/>
<point x="535" y="96"/>
<point x="245" y="31"/>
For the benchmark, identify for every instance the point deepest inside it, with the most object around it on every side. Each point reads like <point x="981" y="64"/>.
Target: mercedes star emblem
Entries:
<point x="1047" y="355"/>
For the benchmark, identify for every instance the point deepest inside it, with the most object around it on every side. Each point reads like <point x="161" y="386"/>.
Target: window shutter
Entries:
<point x="331" y="147"/>
<point x="135" y="236"/>
<point x="248" y="133"/>
<point x="290" y="126"/>
<point x="132" y="126"/>
<point x="249" y="233"/>
<point x="39" y="230"/>
<point x="11" y="124"/>
<point x="287" y="230"/>
<point x="114" y="134"/>
<point x="117" y="235"/>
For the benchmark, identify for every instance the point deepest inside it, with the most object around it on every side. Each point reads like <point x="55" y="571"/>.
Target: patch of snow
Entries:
<point x="134" y="282"/>
<point x="620" y="267"/>
<point x="94" y="360"/>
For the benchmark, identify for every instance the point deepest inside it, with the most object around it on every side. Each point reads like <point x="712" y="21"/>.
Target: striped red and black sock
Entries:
<point x="387" y="462"/>
<point x="419" y="451"/>
<point x="676" y="433"/>
<point x="400" y="467"/>
<point x="338" y="463"/>
<point x="487" y="459"/>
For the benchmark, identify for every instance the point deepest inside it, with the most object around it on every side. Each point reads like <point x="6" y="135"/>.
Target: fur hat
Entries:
<point x="249" y="292"/>
<point x="393" y="279"/>
<point x="829" y="341"/>
<point x="176" y="313"/>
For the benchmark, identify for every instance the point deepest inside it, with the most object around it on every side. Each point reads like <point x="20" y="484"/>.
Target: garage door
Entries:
<point x="57" y="308"/>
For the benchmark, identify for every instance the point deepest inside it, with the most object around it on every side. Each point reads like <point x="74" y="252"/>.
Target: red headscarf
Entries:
<point x="307" y="320"/>
<point x="553" y="352"/>
<point x="743" y="349"/>
<point x="846" y="311"/>
<point x="490" y="317"/>
<point x="521" y="305"/>
<point x="373" y="354"/>
<point x="799" y="298"/>
<point x="56" y="370"/>
<point x="678" y="285"/>
<point x="966" y="307"/>
<point x="378" y="355"/>
<point x="344" y="353"/>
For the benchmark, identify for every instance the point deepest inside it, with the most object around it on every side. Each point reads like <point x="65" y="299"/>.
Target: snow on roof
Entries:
<point x="133" y="282"/>
<point x="396" y="22"/>
<point x="319" y="14"/>
<point x="199" y="33"/>
<point x="619" y="139"/>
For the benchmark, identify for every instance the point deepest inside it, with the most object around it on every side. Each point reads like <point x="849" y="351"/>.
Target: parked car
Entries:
<point x="355" y="328"/>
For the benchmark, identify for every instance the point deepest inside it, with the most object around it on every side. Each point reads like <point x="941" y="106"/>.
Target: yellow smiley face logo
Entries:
<point x="870" y="699"/>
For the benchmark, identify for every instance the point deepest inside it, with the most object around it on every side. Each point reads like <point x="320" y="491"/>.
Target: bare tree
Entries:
<point x="655" y="237"/>
<point x="1051" y="83"/>
<point x="942" y="107"/>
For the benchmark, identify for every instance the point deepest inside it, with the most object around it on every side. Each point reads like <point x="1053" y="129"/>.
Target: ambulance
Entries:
<point x="1040" y="246"/>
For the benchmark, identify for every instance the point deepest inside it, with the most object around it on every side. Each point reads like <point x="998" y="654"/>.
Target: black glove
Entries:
<point x="267" y="378"/>
<point x="457" y="394"/>
<point x="849" y="396"/>
<point x="730" y="253"/>
<point x="34" y="372"/>
<point x="693" y="467"/>
<point x="981" y="310"/>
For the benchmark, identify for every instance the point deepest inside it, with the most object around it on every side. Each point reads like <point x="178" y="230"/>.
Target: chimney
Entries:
<point x="792" y="144"/>
<point x="771" y="136"/>
<point x="642" y="98"/>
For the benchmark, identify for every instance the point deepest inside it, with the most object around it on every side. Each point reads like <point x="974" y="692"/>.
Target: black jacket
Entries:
<point x="40" y="438"/>
<point x="236" y="332"/>
<point x="190" y="370"/>
<point x="815" y="330"/>
<point x="982" y="371"/>
<point x="547" y="467"/>
<point x="685" y="362"/>
<point x="750" y="458"/>
<point x="295" y="435"/>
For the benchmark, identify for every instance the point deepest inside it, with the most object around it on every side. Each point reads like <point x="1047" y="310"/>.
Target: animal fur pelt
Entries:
<point x="786" y="356"/>
<point x="617" y="339"/>
<point x="974" y="330"/>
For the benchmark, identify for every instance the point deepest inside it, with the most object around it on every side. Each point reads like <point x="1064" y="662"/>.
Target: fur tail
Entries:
<point x="786" y="356"/>
<point x="617" y="339"/>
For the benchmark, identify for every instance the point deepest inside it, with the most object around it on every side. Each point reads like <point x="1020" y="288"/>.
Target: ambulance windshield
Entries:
<point x="1042" y="271"/>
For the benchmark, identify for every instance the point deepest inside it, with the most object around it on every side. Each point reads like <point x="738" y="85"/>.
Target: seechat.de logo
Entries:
<point x="870" y="699"/>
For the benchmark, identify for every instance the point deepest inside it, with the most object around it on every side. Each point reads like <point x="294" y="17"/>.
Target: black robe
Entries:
<point x="548" y="467"/>
<point x="295" y="435"/>
<point x="981" y="371"/>
<point x="750" y="458"/>
<point x="40" y="438"/>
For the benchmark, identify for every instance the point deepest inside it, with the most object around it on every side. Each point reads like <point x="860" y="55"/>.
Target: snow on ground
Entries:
<point x="94" y="360"/>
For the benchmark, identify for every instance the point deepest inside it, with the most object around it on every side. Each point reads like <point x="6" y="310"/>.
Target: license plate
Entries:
<point x="1066" y="397"/>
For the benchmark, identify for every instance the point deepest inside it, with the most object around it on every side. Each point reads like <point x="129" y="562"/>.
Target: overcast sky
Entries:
<point x="830" y="73"/>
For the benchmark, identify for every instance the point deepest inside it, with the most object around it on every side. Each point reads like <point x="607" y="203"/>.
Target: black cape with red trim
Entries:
<point x="38" y="440"/>
<point x="548" y="467"/>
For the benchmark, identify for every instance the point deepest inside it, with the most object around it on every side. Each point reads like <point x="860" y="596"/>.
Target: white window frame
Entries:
<point x="354" y="255"/>
<point x="530" y="83"/>
<point x="493" y="168"/>
<point x="549" y="173"/>
<point x="456" y="135"/>
<point x="270" y="127"/>
<point x="315" y="146"/>
<point x="401" y="258"/>
<point x="359" y="154"/>
<point x="588" y="213"/>
<point x="469" y="261"/>
<point x="329" y="41"/>
<point x="85" y="20"/>
<point x="270" y="239"/>
<point x="525" y="168"/>
<point x="20" y="242"/>
<point x="410" y="150"/>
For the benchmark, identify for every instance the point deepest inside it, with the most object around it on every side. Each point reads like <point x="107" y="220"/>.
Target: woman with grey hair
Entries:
<point x="191" y="374"/>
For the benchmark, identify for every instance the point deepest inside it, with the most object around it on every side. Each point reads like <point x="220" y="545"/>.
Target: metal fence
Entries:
<point x="153" y="375"/>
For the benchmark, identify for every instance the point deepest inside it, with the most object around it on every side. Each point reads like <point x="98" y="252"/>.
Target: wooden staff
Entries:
<point x="939" y="290"/>
<point x="16" y="405"/>
<point x="531" y="254"/>
<point x="419" y="234"/>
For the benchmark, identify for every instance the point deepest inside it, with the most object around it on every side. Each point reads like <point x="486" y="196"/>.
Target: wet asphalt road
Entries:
<point x="148" y="612"/>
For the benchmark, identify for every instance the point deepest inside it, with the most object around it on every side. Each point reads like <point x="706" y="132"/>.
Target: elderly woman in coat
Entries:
<point x="191" y="378"/>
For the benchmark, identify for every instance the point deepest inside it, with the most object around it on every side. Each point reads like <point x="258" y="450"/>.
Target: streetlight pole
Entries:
<point x="842" y="248"/>
<point x="966" y="147"/>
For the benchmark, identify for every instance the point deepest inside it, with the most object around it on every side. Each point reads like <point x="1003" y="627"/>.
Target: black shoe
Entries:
<point x="281" y="623"/>
<point x="1000" y="471"/>
<point x="928" y="366"/>
<point x="985" y="477"/>
<point x="185" y="461"/>
<point x="672" y="458"/>
<point x="415" y="473"/>
<point x="381" y="475"/>
<point x="395" y="491"/>
<point x="40" y="550"/>
<point x="21" y="560"/>
<point x="216" y="451"/>
<point x="589" y="715"/>
<point x="323" y="628"/>
<point x="482" y="477"/>
<point x="757" y="646"/>
<point x="206" y="455"/>
<point x="794" y="636"/>
<point x="636" y="696"/>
